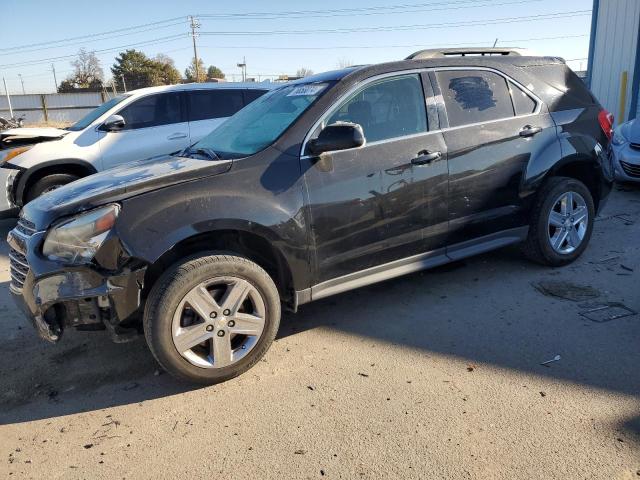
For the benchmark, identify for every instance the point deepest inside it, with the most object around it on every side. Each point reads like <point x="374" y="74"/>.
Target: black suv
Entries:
<point x="320" y="186"/>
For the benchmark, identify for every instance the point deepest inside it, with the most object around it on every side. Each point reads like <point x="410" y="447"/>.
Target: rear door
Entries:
<point x="209" y="108"/>
<point x="493" y="129"/>
<point x="369" y="205"/>
<point x="154" y="125"/>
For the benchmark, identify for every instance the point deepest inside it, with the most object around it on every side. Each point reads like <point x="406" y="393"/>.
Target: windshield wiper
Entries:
<point x="205" y="152"/>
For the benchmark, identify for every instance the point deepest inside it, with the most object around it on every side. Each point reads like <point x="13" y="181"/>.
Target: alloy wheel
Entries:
<point x="568" y="222"/>
<point x="219" y="322"/>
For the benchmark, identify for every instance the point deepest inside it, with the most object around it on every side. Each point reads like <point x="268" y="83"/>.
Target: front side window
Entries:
<point x="152" y="111"/>
<point x="474" y="96"/>
<point x="208" y="104"/>
<point x="390" y="108"/>
<point x="96" y="113"/>
<point x="260" y="123"/>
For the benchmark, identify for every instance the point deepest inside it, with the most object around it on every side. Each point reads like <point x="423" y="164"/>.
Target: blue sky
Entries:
<point x="423" y="23"/>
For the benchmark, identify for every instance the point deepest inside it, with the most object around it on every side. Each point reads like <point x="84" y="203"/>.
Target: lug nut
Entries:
<point x="231" y="323"/>
<point x="213" y="314"/>
<point x="226" y="312"/>
<point x="221" y="333"/>
<point x="209" y="328"/>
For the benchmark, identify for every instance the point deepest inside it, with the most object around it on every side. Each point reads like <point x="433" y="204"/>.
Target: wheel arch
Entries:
<point x="72" y="166"/>
<point x="251" y="241"/>
<point x="584" y="168"/>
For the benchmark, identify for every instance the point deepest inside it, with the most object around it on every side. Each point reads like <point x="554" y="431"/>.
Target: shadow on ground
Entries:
<point x="485" y="310"/>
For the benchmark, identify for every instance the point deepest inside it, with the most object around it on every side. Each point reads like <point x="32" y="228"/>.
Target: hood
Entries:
<point x="117" y="184"/>
<point x="631" y="131"/>
<point x="26" y="136"/>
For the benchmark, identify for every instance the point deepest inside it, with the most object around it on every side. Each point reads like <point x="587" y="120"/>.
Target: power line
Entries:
<point x="472" y="23"/>
<point x="92" y="35"/>
<point x="49" y="59"/>
<point x="414" y="45"/>
<point x="389" y="10"/>
<point x="96" y="40"/>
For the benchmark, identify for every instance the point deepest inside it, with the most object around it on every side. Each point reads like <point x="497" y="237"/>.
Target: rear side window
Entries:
<point x="474" y="96"/>
<point x="251" y="94"/>
<point x="207" y="104"/>
<point x="522" y="102"/>
<point x="390" y="108"/>
<point x="153" y="111"/>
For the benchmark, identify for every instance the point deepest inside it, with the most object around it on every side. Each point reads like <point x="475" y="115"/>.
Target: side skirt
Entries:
<point x="412" y="264"/>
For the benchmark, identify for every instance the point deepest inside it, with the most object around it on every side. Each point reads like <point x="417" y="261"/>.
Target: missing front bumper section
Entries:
<point x="84" y="299"/>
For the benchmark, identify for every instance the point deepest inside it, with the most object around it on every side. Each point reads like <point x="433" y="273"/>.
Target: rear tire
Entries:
<point x="211" y="318"/>
<point x="48" y="184"/>
<point x="552" y="218"/>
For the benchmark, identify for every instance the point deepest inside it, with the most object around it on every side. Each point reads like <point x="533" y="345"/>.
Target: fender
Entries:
<point x="52" y="166"/>
<point x="150" y="225"/>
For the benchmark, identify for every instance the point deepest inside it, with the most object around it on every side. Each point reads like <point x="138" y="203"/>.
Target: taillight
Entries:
<point x="606" y="123"/>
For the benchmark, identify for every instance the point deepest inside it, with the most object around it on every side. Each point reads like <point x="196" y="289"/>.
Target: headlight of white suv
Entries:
<point x="77" y="239"/>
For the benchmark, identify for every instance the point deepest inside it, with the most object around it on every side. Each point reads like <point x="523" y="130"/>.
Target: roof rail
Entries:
<point x="463" y="52"/>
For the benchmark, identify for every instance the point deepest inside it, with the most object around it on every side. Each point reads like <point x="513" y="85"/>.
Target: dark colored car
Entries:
<point x="320" y="186"/>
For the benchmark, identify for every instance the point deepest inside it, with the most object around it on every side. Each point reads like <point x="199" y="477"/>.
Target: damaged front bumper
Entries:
<point x="55" y="297"/>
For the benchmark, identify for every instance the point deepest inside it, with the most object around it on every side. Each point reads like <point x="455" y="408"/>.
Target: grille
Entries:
<point x="630" y="169"/>
<point x="19" y="269"/>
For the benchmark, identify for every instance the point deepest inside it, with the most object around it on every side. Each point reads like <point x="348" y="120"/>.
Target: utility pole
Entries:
<point x="194" y="25"/>
<point x="22" y="81"/>
<point x="6" y="91"/>
<point x="55" y="80"/>
<point x="124" y="84"/>
<point x="243" y="66"/>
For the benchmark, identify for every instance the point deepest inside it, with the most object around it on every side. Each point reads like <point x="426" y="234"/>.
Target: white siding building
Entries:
<point x="614" y="56"/>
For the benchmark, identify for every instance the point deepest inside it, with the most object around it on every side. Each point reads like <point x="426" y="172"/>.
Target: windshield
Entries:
<point x="90" y="117"/>
<point x="259" y="124"/>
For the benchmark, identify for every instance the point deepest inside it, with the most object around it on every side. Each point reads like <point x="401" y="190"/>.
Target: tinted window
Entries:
<point x="152" y="111"/>
<point x="389" y="108"/>
<point x="90" y="117"/>
<point x="522" y="102"/>
<point x="251" y="95"/>
<point x="474" y="96"/>
<point x="207" y="104"/>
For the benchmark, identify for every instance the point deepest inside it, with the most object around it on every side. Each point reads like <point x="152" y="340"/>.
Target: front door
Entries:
<point x="154" y="125"/>
<point x="384" y="201"/>
<point x="495" y="129"/>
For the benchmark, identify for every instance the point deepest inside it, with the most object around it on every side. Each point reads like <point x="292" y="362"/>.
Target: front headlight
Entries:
<point x="78" y="239"/>
<point x="618" y="138"/>
<point x="12" y="153"/>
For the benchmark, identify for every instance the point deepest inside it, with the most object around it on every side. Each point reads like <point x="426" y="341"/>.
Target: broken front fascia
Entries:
<point x="54" y="297"/>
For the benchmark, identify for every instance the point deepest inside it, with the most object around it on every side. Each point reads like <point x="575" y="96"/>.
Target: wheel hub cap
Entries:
<point x="568" y="222"/>
<point x="218" y="322"/>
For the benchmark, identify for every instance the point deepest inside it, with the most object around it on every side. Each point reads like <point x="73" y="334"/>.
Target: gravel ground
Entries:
<point x="433" y="375"/>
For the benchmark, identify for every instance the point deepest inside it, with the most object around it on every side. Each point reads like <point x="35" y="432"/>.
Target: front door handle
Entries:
<point x="529" y="131"/>
<point x="177" y="136"/>
<point x="425" y="157"/>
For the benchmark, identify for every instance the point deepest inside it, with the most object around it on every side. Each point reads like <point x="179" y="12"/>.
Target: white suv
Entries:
<point x="133" y="126"/>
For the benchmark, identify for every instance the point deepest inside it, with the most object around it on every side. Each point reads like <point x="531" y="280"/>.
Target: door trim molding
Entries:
<point x="411" y="264"/>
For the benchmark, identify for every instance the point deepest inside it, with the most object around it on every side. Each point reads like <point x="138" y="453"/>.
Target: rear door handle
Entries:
<point x="529" y="131"/>
<point x="177" y="136"/>
<point x="425" y="157"/>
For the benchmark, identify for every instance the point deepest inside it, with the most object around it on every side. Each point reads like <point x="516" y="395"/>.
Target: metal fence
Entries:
<point x="52" y="107"/>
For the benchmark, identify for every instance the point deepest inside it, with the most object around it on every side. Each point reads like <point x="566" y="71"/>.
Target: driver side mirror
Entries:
<point x="113" y="124"/>
<point x="337" y="136"/>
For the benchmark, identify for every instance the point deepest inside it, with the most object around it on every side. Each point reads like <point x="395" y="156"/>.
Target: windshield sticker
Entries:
<point x="306" y="90"/>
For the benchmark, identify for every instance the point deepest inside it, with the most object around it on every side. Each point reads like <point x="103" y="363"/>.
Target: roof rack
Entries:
<point x="463" y="52"/>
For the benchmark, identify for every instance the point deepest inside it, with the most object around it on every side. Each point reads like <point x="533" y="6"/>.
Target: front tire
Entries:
<point x="211" y="318"/>
<point x="561" y="222"/>
<point x="48" y="184"/>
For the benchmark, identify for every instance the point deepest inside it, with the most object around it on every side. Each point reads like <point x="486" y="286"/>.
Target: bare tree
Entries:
<point x="304" y="72"/>
<point x="164" y="59"/>
<point x="87" y="69"/>
<point x="344" y="62"/>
